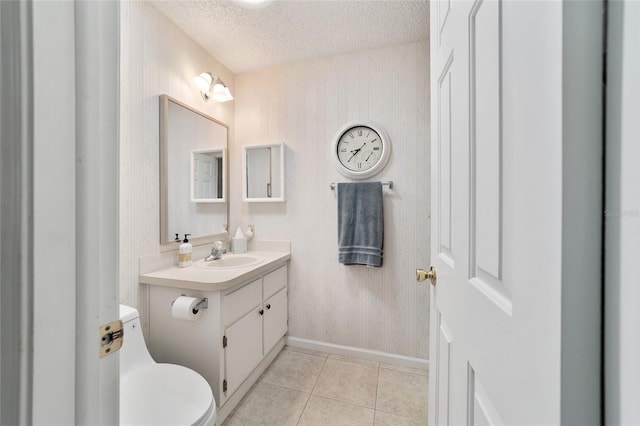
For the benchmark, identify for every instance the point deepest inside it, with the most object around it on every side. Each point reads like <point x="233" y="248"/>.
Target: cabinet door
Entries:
<point x="275" y="319"/>
<point x="244" y="348"/>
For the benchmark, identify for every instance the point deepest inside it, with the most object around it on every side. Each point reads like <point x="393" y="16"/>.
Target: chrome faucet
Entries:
<point x="216" y="251"/>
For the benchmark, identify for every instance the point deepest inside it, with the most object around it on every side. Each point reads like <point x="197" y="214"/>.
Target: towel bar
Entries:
<point x="389" y="184"/>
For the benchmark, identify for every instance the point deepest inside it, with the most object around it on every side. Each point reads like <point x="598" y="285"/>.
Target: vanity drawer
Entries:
<point x="241" y="301"/>
<point x="274" y="281"/>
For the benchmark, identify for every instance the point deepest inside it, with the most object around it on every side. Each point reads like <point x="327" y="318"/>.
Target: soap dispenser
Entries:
<point x="185" y="253"/>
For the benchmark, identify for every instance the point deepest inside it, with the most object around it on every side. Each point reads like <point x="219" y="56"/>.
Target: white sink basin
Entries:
<point x="230" y="261"/>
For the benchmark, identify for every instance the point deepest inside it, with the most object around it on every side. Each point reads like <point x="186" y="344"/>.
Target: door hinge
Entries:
<point x="224" y="385"/>
<point x="224" y="341"/>
<point x="111" y="337"/>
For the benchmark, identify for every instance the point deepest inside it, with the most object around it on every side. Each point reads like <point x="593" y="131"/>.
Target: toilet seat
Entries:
<point x="165" y="394"/>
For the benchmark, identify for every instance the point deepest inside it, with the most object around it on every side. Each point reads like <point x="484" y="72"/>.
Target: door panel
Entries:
<point x="497" y="213"/>
<point x="443" y="192"/>
<point x="481" y="409"/>
<point x="443" y="362"/>
<point x="485" y="138"/>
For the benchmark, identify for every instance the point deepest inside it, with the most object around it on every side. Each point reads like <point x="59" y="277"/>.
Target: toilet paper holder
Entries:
<point x="202" y="304"/>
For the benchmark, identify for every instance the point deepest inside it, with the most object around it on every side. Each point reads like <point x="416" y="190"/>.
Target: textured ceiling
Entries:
<point x="285" y="31"/>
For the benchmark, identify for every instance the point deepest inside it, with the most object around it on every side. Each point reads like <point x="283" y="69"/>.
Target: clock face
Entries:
<point x="361" y="151"/>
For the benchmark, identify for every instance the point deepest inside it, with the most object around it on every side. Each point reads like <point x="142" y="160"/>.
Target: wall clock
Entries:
<point x="361" y="150"/>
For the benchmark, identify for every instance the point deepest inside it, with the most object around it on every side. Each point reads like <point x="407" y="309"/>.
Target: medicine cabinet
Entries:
<point x="263" y="173"/>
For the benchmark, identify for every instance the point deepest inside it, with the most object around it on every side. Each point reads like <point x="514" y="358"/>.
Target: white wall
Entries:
<point x="304" y="105"/>
<point x="156" y="58"/>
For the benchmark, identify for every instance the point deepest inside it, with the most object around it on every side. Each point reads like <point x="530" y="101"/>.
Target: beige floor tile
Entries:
<point x="402" y="393"/>
<point x="267" y="404"/>
<point x="305" y="351"/>
<point x="386" y="419"/>
<point x="356" y="360"/>
<point x="323" y="411"/>
<point x="348" y="382"/>
<point x="294" y="370"/>
<point x="405" y="369"/>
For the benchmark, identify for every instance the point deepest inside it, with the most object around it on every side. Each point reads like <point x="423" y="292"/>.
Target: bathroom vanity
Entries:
<point x="239" y="333"/>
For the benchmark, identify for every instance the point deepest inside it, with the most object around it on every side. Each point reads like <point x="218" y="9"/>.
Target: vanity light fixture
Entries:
<point x="212" y="86"/>
<point x="253" y="4"/>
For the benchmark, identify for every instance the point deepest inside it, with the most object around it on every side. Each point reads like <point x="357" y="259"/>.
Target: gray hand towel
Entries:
<point x="360" y="223"/>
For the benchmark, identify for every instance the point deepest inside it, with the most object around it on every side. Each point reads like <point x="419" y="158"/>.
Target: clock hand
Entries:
<point x="356" y="151"/>
<point x="370" y="154"/>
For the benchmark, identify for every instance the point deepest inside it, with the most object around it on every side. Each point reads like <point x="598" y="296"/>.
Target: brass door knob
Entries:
<point x="422" y="275"/>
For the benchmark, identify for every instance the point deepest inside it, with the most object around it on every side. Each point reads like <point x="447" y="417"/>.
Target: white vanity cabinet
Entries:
<point x="255" y="319"/>
<point x="234" y="339"/>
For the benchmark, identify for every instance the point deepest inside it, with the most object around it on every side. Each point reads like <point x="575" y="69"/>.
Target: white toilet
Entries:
<point x="158" y="394"/>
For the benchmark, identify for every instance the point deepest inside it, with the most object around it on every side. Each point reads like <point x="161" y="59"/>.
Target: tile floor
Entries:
<point x="303" y="387"/>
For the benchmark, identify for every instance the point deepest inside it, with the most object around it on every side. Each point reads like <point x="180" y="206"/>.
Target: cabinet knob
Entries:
<point x="269" y="306"/>
<point x="261" y="311"/>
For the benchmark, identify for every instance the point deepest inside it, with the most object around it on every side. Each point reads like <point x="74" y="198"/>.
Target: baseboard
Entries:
<point x="399" y="360"/>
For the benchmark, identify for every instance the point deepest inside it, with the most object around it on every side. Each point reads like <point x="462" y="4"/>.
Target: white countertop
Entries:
<point x="217" y="279"/>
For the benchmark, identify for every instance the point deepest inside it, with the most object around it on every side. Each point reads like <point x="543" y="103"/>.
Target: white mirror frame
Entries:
<point x="280" y="175"/>
<point x="167" y="243"/>
<point x="193" y="171"/>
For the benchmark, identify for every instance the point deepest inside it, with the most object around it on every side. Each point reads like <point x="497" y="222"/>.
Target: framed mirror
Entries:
<point x="263" y="173"/>
<point x="207" y="176"/>
<point x="185" y="132"/>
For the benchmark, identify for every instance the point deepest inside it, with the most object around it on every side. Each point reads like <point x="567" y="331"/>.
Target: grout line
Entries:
<point x="343" y="401"/>
<point x="303" y="408"/>
<point x="350" y="402"/>
<point x="318" y="378"/>
<point x="403" y="415"/>
<point x="312" y="389"/>
<point x="280" y="385"/>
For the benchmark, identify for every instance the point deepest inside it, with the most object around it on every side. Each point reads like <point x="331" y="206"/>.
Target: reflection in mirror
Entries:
<point x="207" y="168"/>
<point x="183" y="131"/>
<point x="263" y="173"/>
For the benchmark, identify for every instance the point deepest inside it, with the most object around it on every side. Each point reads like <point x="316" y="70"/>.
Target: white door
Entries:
<point x="61" y="158"/>
<point x="622" y="215"/>
<point x="502" y="224"/>
<point x="205" y="175"/>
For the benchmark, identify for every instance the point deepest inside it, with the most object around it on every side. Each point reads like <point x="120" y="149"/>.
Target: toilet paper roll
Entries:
<point x="184" y="308"/>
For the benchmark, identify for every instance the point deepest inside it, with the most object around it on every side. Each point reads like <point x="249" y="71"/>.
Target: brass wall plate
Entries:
<point x="111" y="338"/>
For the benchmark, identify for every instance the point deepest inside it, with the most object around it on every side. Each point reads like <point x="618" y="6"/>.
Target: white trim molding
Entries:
<point x="367" y="354"/>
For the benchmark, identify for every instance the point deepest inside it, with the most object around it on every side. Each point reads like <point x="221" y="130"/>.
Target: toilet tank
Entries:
<point x="134" y="353"/>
